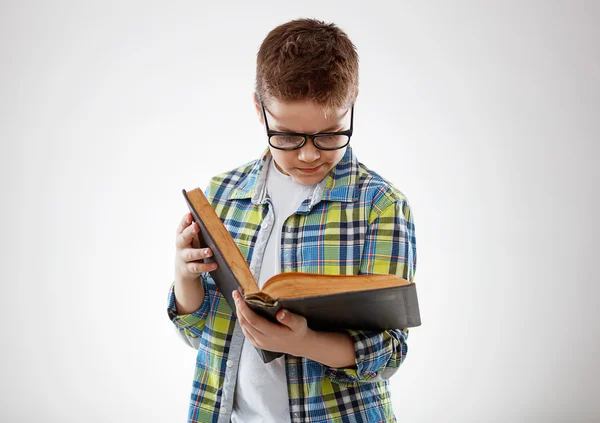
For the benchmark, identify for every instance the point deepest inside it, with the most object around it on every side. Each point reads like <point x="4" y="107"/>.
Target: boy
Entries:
<point x="307" y="205"/>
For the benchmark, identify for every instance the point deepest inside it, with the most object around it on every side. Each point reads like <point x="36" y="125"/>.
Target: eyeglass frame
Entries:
<point x="270" y="133"/>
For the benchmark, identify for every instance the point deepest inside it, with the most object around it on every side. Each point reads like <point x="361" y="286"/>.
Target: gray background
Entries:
<point x="485" y="114"/>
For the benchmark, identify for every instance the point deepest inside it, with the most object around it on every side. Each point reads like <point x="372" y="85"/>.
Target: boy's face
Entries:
<point x="307" y="118"/>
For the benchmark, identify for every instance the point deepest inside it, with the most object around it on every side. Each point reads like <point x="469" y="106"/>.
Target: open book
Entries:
<point x="328" y="302"/>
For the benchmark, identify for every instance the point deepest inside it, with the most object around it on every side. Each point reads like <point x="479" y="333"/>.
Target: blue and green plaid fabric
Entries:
<point x="355" y="223"/>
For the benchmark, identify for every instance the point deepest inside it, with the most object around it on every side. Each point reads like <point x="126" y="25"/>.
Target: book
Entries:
<point x="328" y="302"/>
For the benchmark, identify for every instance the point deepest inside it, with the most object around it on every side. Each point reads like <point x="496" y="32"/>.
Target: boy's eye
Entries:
<point x="327" y="139"/>
<point x="331" y="141"/>
<point x="286" y="140"/>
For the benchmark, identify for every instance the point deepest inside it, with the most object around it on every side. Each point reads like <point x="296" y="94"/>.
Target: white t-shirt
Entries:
<point x="261" y="389"/>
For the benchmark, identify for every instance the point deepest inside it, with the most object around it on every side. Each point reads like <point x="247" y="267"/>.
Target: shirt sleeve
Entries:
<point x="191" y="324"/>
<point x="390" y="248"/>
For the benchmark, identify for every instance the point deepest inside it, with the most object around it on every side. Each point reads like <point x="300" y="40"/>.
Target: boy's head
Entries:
<point x="307" y="82"/>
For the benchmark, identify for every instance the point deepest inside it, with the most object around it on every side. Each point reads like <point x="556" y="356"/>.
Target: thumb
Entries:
<point x="291" y="320"/>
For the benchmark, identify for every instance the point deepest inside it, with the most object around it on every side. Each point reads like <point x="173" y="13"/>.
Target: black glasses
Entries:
<point x="323" y="141"/>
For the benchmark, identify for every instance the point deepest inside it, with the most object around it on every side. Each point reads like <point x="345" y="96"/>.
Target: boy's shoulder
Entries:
<point x="232" y="177"/>
<point x="222" y="184"/>
<point x="377" y="190"/>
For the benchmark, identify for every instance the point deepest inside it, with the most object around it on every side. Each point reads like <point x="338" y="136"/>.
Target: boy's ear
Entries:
<point x="257" y="108"/>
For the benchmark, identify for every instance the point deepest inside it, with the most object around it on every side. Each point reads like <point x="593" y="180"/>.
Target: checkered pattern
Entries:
<point x="357" y="223"/>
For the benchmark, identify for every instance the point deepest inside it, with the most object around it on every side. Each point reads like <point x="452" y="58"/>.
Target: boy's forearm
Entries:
<point x="189" y="295"/>
<point x="333" y="349"/>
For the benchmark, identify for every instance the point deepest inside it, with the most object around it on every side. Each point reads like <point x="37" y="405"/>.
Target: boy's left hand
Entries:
<point x="289" y="337"/>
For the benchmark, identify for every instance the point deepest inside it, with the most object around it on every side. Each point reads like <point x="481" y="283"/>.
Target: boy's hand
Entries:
<point x="289" y="337"/>
<point x="188" y="252"/>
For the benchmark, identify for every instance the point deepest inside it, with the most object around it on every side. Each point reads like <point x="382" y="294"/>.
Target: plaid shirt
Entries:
<point x="355" y="223"/>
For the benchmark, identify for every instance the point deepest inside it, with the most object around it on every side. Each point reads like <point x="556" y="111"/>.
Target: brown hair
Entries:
<point x="307" y="59"/>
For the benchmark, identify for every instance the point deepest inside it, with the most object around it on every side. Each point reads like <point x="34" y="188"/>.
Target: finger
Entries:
<point x="249" y="336"/>
<point x="241" y="315"/>
<point x="284" y="317"/>
<point x="290" y="320"/>
<point x="194" y="254"/>
<point x="184" y="239"/>
<point x="253" y="333"/>
<point x="185" y="221"/>
<point x="259" y="323"/>
<point x="198" y="268"/>
<point x="244" y="313"/>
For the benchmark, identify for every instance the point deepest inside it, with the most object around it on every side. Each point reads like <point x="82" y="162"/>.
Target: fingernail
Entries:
<point x="282" y="315"/>
<point x="206" y="251"/>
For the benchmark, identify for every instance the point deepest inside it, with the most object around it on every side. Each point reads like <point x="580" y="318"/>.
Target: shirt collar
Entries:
<point x="338" y="185"/>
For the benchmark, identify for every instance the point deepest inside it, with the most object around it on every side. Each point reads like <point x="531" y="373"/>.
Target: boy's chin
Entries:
<point x="308" y="178"/>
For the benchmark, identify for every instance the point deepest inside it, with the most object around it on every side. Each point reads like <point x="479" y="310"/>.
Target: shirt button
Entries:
<point x="229" y="363"/>
<point x="266" y="225"/>
<point x="223" y="410"/>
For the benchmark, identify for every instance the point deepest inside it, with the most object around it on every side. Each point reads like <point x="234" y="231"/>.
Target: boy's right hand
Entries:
<point x="188" y="251"/>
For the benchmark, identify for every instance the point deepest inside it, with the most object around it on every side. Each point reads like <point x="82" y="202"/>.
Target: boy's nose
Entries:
<point x="309" y="153"/>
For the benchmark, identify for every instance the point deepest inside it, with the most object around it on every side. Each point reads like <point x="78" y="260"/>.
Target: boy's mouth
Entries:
<point x="310" y="170"/>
